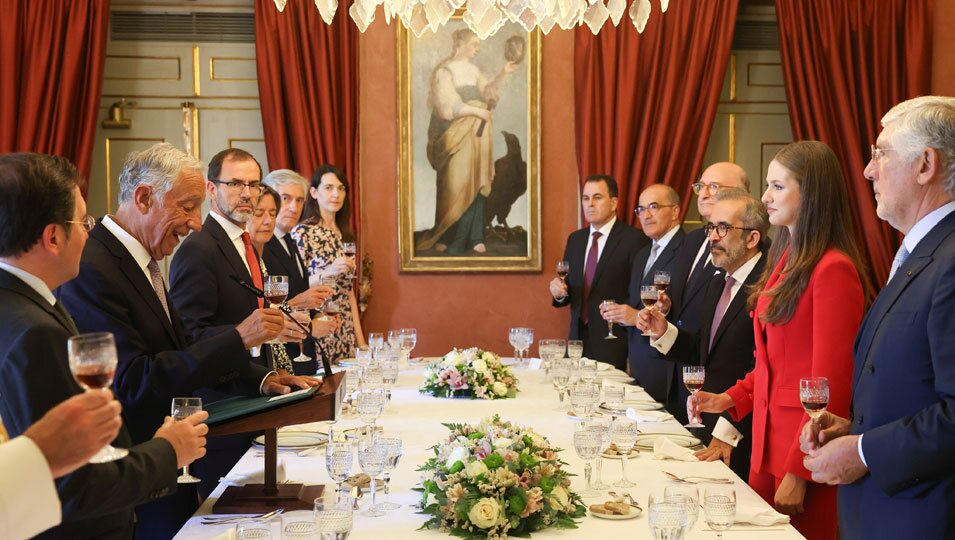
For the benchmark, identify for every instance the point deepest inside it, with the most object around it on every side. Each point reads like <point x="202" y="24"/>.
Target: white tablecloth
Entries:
<point x="418" y="419"/>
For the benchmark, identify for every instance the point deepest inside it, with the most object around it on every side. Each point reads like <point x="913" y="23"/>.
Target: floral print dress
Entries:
<point x="319" y="248"/>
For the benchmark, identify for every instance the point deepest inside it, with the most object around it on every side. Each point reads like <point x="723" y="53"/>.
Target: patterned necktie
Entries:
<point x="70" y="323"/>
<point x="156" y="277"/>
<point x="292" y="253"/>
<point x="721" y="306"/>
<point x="590" y="269"/>
<point x="651" y="259"/>
<point x="900" y="257"/>
<point x="253" y="261"/>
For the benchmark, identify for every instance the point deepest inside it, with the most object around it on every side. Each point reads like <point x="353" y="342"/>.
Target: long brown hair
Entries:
<point x="312" y="214"/>
<point x="824" y="221"/>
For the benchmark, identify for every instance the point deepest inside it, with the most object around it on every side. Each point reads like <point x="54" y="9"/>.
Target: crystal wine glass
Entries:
<point x="302" y="315"/>
<point x="609" y="304"/>
<point x="687" y="495"/>
<point x="649" y="294"/>
<point x="182" y="408"/>
<point x="814" y="394"/>
<point x="370" y="404"/>
<point x="334" y="522"/>
<point x="600" y="426"/>
<point x="299" y="525"/>
<point x="623" y="433"/>
<point x="661" y="280"/>
<point x="276" y="290"/>
<point x="575" y="349"/>
<point x="563" y="268"/>
<point x="253" y="529"/>
<point x="93" y="362"/>
<point x="372" y="456"/>
<point x="719" y="505"/>
<point x="693" y="377"/>
<point x="338" y="461"/>
<point x="584" y="397"/>
<point x="527" y="339"/>
<point x="409" y="338"/>
<point x="376" y="340"/>
<point x="560" y="377"/>
<point x="667" y="519"/>
<point x="588" y="445"/>
<point x="350" y="249"/>
<point x="393" y="446"/>
<point x="516" y="340"/>
<point x="588" y="370"/>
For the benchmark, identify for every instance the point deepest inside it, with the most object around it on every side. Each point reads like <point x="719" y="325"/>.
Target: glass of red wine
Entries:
<point x="661" y="279"/>
<point x="607" y="304"/>
<point x="93" y="364"/>
<point x="276" y="290"/>
<point x="814" y="395"/>
<point x="563" y="268"/>
<point x="350" y="249"/>
<point x="693" y="377"/>
<point x="649" y="294"/>
<point x="182" y="408"/>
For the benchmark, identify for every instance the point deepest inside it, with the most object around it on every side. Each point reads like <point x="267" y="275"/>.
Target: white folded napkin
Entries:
<point x="664" y="448"/>
<point x="255" y="477"/>
<point x="228" y="535"/>
<point x="761" y="516"/>
<point x="648" y="416"/>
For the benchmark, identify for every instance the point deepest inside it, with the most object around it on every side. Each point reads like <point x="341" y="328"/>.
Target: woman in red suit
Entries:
<point x="808" y="306"/>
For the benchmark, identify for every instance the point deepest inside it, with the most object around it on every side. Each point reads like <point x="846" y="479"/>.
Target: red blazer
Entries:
<point x="815" y="342"/>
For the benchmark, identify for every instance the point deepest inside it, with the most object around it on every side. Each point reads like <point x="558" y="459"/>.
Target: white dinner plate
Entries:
<point x="634" y="512"/>
<point x="346" y="362"/>
<point x="296" y="440"/>
<point x="635" y="404"/>
<point x="645" y="441"/>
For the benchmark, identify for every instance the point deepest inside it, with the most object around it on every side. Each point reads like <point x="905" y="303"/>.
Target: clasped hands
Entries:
<point x="832" y="454"/>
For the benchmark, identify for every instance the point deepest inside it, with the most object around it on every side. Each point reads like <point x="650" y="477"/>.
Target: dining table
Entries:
<point x="419" y="419"/>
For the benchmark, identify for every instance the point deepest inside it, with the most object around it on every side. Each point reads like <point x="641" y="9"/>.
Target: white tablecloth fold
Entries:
<point x="257" y="476"/>
<point x="664" y="448"/>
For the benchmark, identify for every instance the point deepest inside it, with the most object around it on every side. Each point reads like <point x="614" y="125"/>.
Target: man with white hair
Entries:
<point x="893" y="455"/>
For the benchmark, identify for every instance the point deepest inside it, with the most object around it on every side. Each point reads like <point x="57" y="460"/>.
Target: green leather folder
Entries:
<point x="236" y="407"/>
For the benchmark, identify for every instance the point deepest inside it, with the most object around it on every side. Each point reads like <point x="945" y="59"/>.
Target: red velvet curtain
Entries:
<point x="645" y="104"/>
<point x="52" y="54"/>
<point x="846" y="64"/>
<point x="308" y="90"/>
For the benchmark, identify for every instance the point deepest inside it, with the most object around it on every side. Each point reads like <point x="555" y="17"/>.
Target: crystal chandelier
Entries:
<point x="485" y="17"/>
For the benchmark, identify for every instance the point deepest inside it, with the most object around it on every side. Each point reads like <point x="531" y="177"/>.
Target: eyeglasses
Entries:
<point x="712" y="187"/>
<point x="652" y="207"/>
<point x="237" y="185"/>
<point x="722" y="229"/>
<point x="88" y="223"/>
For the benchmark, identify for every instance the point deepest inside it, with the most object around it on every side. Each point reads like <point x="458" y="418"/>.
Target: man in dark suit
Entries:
<point x="693" y="265"/>
<point x="893" y="455"/>
<point x="600" y="258"/>
<point x="281" y="257"/>
<point x="40" y="249"/>
<point x="120" y="289"/>
<point x="659" y="213"/>
<point x="724" y="342"/>
<point x="204" y="288"/>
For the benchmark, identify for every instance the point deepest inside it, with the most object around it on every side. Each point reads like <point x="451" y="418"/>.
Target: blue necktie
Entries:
<point x="899" y="260"/>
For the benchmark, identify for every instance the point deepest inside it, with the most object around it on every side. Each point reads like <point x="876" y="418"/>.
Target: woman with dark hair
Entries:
<point x="261" y="228"/>
<point x="320" y="238"/>
<point x="808" y="306"/>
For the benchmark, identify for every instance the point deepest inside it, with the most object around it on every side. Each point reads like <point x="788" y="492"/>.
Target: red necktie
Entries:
<point x="590" y="268"/>
<point x="253" y="262"/>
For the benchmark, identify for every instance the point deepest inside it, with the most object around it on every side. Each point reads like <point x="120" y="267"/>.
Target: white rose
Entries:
<point x="475" y="469"/>
<point x="537" y="439"/>
<point x="452" y="359"/>
<point x="503" y="442"/>
<point x="499" y="388"/>
<point x="458" y="453"/>
<point x="479" y="365"/>
<point x="559" y="498"/>
<point x="484" y="513"/>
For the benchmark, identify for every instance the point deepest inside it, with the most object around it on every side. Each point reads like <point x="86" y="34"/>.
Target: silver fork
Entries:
<point x="210" y="520"/>
<point x="697" y="479"/>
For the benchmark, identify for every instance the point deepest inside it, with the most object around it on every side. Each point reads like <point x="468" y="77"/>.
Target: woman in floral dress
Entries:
<point x="319" y="238"/>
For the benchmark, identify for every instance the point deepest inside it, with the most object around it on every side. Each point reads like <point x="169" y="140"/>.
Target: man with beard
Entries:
<point x="205" y="292"/>
<point x="724" y="342"/>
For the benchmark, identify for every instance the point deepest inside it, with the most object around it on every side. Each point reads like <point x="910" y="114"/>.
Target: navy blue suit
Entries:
<point x="279" y="262"/>
<point x="903" y="401"/>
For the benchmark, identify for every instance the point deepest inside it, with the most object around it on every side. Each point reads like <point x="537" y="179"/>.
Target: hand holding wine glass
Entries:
<point x="814" y="395"/>
<point x="563" y="268"/>
<point x="607" y="305"/>
<point x="649" y="294"/>
<point x="693" y="378"/>
<point x="93" y="362"/>
<point x="182" y="408"/>
<point x="350" y="249"/>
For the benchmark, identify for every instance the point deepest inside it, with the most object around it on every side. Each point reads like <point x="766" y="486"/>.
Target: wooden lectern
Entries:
<point x="323" y="404"/>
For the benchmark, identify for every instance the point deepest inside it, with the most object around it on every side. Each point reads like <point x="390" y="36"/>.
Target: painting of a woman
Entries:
<point x="459" y="147"/>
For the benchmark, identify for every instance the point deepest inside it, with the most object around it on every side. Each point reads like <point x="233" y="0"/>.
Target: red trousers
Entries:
<point x="818" y="520"/>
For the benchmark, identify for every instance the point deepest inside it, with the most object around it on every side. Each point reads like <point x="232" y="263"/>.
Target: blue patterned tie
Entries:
<point x="899" y="260"/>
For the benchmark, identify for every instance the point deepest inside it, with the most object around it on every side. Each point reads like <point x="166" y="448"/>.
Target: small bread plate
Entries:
<point x="646" y="440"/>
<point x="633" y="454"/>
<point x="634" y="512"/>
<point x="295" y="440"/>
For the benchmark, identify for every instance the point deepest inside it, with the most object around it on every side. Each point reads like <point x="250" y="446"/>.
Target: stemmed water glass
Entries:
<point x="376" y="340"/>
<point x="372" y="456"/>
<point x="560" y="377"/>
<point x="93" y="362"/>
<point x="516" y="340"/>
<point x="600" y="426"/>
<point x="668" y="519"/>
<point x="588" y="370"/>
<point x="409" y="338"/>
<point x="393" y="446"/>
<point x="687" y="495"/>
<point x="394" y="339"/>
<point x="693" y="377"/>
<point x="301" y="314"/>
<point x="607" y="304"/>
<point x="814" y="395"/>
<point x="333" y="522"/>
<point x="649" y="294"/>
<point x="575" y="349"/>
<point x="719" y="505"/>
<point x="623" y="433"/>
<point x="588" y="445"/>
<point x="182" y="408"/>
<point x="370" y="404"/>
<point x="338" y="461"/>
<point x="527" y="339"/>
<point x="584" y="397"/>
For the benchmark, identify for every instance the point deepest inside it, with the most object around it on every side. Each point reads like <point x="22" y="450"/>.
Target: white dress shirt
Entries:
<point x="133" y="246"/>
<point x="234" y="232"/>
<point x="602" y="241"/>
<point x="32" y="281"/>
<point x="29" y="503"/>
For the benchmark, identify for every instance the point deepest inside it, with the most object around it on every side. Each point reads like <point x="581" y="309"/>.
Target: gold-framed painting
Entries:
<point x="469" y="130"/>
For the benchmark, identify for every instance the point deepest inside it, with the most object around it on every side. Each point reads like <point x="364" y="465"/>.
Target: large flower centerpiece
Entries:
<point x="495" y="480"/>
<point x="471" y="372"/>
